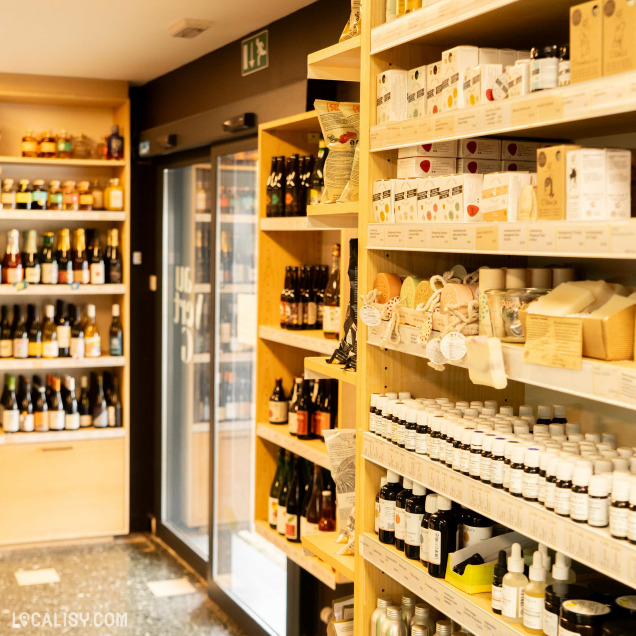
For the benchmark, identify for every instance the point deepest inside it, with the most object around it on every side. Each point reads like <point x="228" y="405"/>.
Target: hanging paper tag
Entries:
<point x="434" y="352"/>
<point x="370" y="316"/>
<point x="453" y="346"/>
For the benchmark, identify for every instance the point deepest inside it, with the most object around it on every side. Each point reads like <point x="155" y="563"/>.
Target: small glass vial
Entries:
<point x="531" y="469"/>
<point x="497" y="466"/>
<point x="71" y="196"/>
<point x="485" y="463"/>
<point x="48" y="146"/>
<point x="563" y="487"/>
<point x="401" y="431"/>
<point x="456" y="459"/>
<point x="379" y="419"/>
<point x="631" y="515"/>
<point x="436" y="426"/>
<point x="598" y="502"/>
<point x="29" y="145"/>
<point x="474" y="464"/>
<point x="619" y="509"/>
<point x="464" y="455"/>
<point x="579" y="499"/>
<point x="85" y="196"/>
<point x="56" y="196"/>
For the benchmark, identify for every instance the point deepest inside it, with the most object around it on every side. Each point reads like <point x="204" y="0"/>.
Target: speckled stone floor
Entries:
<point x="107" y="578"/>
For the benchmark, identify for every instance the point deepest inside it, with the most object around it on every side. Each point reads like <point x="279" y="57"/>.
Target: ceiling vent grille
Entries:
<point x="189" y="28"/>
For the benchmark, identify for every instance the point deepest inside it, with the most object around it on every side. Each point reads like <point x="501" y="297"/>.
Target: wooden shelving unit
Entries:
<point x="320" y="368"/>
<point x="61" y="291"/>
<point x="52" y="364"/>
<point x="313" y="450"/>
<point x="313" y="222"/>
<point x="339" y="61"/>
<point x="311" y="340"/>
<point x="71" y="163"/>
<point x="95" y="216"/>
<point x="324" y="546"/>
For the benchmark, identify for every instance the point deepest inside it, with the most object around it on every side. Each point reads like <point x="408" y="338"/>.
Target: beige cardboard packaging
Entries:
<point x="500" y="195"/>
<point x="618" y="200"/>
<point x="460" y="198"/>
<point x="586" y="41"/>
<point x="480" y="147"/>
<point x="520" y="150"/>
<point x="508" y="57"/>
<point x="383" y="201"/>
<point x="412" y="167"/>
<point x="405" y="207"/>
<point x="416" y="93"/>
<point x="432" y="209"/>
<point x="551" y="179"/>
<point x="619" y="36"/>
<point x="477" y="166"/>
<point x="608" y="332"/>
<point x="455" y="62"/>
<point x="433" y="88"/>
<point x="391" y="96"/>
<point x="439" y="149"/>
<point x="585" y="188"/>
<point x="488" y="56"/>
<point x="508" y="165"/>
<point x="423" y="187"/>
<point x="479" y="82"/>
<point x="519" y="78"/>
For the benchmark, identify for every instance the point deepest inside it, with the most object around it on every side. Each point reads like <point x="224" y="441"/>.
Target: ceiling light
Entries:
<point x="189" y="28"/>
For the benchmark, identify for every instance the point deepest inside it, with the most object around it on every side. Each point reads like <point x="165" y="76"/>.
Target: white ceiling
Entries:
<point x="122" y="39"/>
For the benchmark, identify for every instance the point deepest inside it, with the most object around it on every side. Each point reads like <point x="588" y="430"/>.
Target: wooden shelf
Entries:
<point x="239" y="218"/>
<point x="83" y="163"/>
<point x="320" y="368"/>
<point x="337" y="216"/>
<point x="310" y="340"/>
<point x="608" y="382"/>
<point x="602" y="106"/>
<point x="324" y="546"/>
<point x="339" y="61"/>
<point x="237" y="288"/>
<point x="55" y="216"/>
<point x="303" y="122"/>
<point x="63" y="290"/>
<point x="313" y="450"/>
<point x="309" y="223"/>
<point x="36" y="364"/>
<point x="592" y="546"/>
<point x="469" y="610"/>
<point x="62" y="436"/>
<point x="557" y="238"/>
<point x="294" y="551"/>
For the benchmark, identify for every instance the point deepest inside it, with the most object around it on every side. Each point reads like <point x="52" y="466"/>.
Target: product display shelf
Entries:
<point x="309" y="223"/>
<point x="594" y="547"/>
<point x="294" y="551"/>
<point x="313" y="450"/>
<point x="71" y="163"/>
<point x="52" y="364"/>
<point x="337" y="215"/>
<point x="469" y="610"/>
<point x="62" y="436"/>
<point x="63" y="291"/>
<point x="53" y="216"/>
<point x="605" y="106"/>
<point x="320" y="368"/>
<point x="339" y="61"/>
<point x="237" y="288"/>
<point x="237" y="218"/>
<point x="310" y="340"/>
<point x="570" y="239"/>
<point x="325" y="546"/>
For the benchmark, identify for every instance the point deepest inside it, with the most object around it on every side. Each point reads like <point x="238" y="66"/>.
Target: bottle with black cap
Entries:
<point x="501" y="570"/>
<point x="400" y="517"/>
<point x="388" y="496"/>
<point x="442" y="537"/>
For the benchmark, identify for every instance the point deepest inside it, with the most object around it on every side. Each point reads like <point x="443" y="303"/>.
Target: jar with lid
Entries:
<point x="64" y="145"/>
<point x="626" y="606"/>
<point x="85" y="196"/>
<point x="608" y="590"/>
<point x="71" y="196"/>
<point x="620" y="627"/>
<point x="98" y="195"/>
<point x="114" y="196"/>
<point x="8" y="198"/>
<point x="555" y="594"/>
<point x="29" y="144"/>
<point x="564" y="65"/>
<point x="24" y="195"/>
<point x="48" y="146"/>
<point x="40" y="195"/>
<point x="82" y="147"/>
<point x="393" y="625"/>
<point x="544" y="67"/>
<point x="583" y="617"/>
<point x="56" y="196"/>
<point x="101" y="148"/>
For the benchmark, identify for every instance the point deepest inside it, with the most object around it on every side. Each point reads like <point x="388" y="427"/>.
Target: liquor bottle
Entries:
<point x="278" y="188"/>
<point x="226" y="258"/>
<point x="41" y="411"/>
<point x="48" y="262"/>
<point x="114" y="196"/>
<point x="27" y="423"/>
<point x="85" y="194"/>
<point x="269" y="188"/>
<point x="57" y="415"/>
<point x="40" y="196"/>
<point x="24" y="195"/>
<point x="100" y="407"/>
<point x="319" y="293"/>
<point x="8" y="197"/>
<point x="48" y="389"/>
<point x="283" y="309"/>
<point x="72" y="419"/>
<point x="12" y="262"/>
<point x="30" y="259"/>
<point x="281" y="512"/>
<point x="64" y="145"/>
<point x="81" y="270"/>
<point x="294" y="504"/>
<point x="50" y="344"/>
<point x="303" y="412"/>
<point x="84" y="404"/>
<point x="70" y="196"/>
<point x="114" y="405"/>
<point x="310" y="312"/>
<point x="278" y="404"/>
<point x="10" y="408"/>
<point x="114" y="144"/>
<point x="322" y="416"/>
<point x="34" y="329"/>
<point x="274" y="491"/>
<point x="48" y="146"/>
<point x="20" y="337"/>
<point x="293" y="319"/>
<point x="302" y="282"/>
<point x="91" y="335"/>
<point x="63" y="329"/>
<point x="97" y="268"/>
<point x="6" y="334"/>
<point x="56" y="196"/>
<point x="29" y="144"/>
<point x="78" y="343"/>
<point x="331" y="315"/>
<point x="292" y="186"/>
<point x="317" y="181"/>
<point x="293" y="403"/>
<point x="305" y="178"/>
<point x="309" y="524"/>
<point x="327" y="521"/>
<point x="64" y="258"/>
<point x="116" y="336"/>
<point x="113" y="260"/>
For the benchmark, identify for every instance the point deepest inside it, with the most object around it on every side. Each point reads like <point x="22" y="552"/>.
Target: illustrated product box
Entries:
<point x="480" y="148"/>
<point x="439" y="149"/>
<point x="479" y="82"/>
<point x="431" y="211"/>
<point x="551" y="182"/>
<point x="509" y="165"/>
<point x="618" y="184"/>
<point x="488" y="56"/>
<point x="520" y="150"/>
<point x="477" y="166"/>
<point x="412" y="167"/>
<point x="460" y="198"/>
<point x="508" y="57"/>
<point x="405" y="201"/>
<point x="500" y="195"/>
<point x="383" y="201"/>
<point x="455" y="62"/>
<point x="423" y="187"/>
<point x="519" y="78"/>
<point x="586" y="42"/>
<point x="609" y="330"/>
<point x="391" y="96"/>
<point x="416" y="93"/>
<point x="619" y="36"/>
<point x="433" y="88"/>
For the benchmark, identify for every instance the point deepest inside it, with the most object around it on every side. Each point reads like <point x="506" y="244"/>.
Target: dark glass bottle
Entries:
<point x="63" y="329"/>
<point x="310" y="312"/>
<point x="497" y="582"/>
<point x="84" y="404"/>
<point x="312" y="512"/>
<point x="72" y="418"/>
<point x="30" y="259"/>
<point x="64" y="258"/>
<point x="57" y="414"/>
<point x="278" y="188"/>
<point x="281" y="513"/>
<point x="294" y="503"/>
<point x="327" y="521"/>
<point x="10" y="408"/>
<point x="12" y="263"/>
<point x="34" y="331"/>
<point x="317" y="181"/>
<point x="274" y="490"/>
<point x="27" y="422"/>
<point x="414" y="511"/>
<point x="113" y="259"/>
<point x="303" y="412"/>
<point x="388" y="496"/>
<point x="293" y="317"/>
<point x="116" y="333"/>
<point x="400" y="517"/>
<point x="292" y="185"/>
<point x="6" y="334"/>
<point x="442" y="537"/>
<point x="278" y="404"/>
<point x="284" y="309"/>
<point x="96" y="265"/>
<point x="48" y="262"/>
<point x="114" y="405"/>
<point x="20" y="337"/>
<point x="100" y="407"/>
<point x="41" y="411"/>
<point x="331" y="312"/>
<point x="269" y="188"/>
<point x="81" y="270"/>
<point x="78" y="344"/>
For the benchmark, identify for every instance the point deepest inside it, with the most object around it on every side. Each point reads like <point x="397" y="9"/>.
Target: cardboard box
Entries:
<point x="518" y="166"/>
<point x="481" y="147"/>
<point x="508" y="57"/>
<point x="439" y="149"/>
<point x="391" y="96"/>
<point x="433" y="87"/>
<point x="383" y="196"/>
<point x="455" y="62"/>
<point x="462" y="203"/>
<point x="423" y="187"/>
<point x="520" y="150"/>
<point x="412" y="167"/>
<point x="586" y="41"/>
<point x="551" y="182"/>
<point x="432" y="210"/>
<point x="608" y="332"/>
<point x="519" y="78"/>
<point x="405" y="202"/>
<point x="416" y="93"/>
<point x="477" y="166"/>
<point x="500" y="195"/>
<point x="488" y="56"/>
<point x="618" y="201"/>
<point x="479" y="82"/>
<point x="619" y="36"/>
<point x="585" y="187"/>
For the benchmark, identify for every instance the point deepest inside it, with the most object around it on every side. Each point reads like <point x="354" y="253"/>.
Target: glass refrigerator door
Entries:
<point x="246" y="567"/>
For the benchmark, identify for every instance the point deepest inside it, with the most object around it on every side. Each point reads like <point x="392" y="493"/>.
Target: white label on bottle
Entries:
<point x="371" y="422"/>
<point x="394" y="431"/>
<point x="420" y="443"/>
<point x="98" y="273"/>
<point x="550" y="494"/>
<point x="50" y="349"/>
<point x="41" y="420"/>
<point x="484" y="468"/>
<point x="93" y="346"/>
<point x="278" y="411"/>
<point x="78" y="348"/>
<point x="562" y="501"/>
<point x="424" y="543"/>
<point x="533" y="611"/>
<point x="473" y="534"/>
<point x="541" y="489"/>
<point x="412" y="529"/>
<point x="32" y="275"/>
<point x="112" y="419"/>
<point x="63" y="336"/>
<point x="307" y="528"/>
<point x="550" y="623"/>
<point x="496" y="473"/>
<point x="433" y="448"/>
<point x="512" y="601"/>
<point x="506" y="476"/>
<point x="27" y="422"/>
<point x="409" y="439"/>
<point x="100" y="420"/>
<point x="72" y="421"/>
<point x="86" y="421"/>
<point x="631" y="525"/>
<point x="116" y="199"/>
<point x="331" y="320"/>
<point x="387" y="515"/>
<point x="379" y="425"/>
<point x="57" y="420"/>
<point x="82" y="276"/>
<point x="272" y="510"/>
<point x="10" y="420"/>
<point x="464" y="461"/>
<point x="377" y="516"/>
<point x="434" y="547"/>
<point x="457" y="458"/>
<point x="618" y="521"/>
<point x="49" y="273"/>
<point x="401" y="435"/>
<point x="496" y="597"/>
<point x="474" y="464"/>
<point x="291" y="527"/>
<point x="14" y="274"/>
<point x="293" y="422"/>
<point x="400" y="522"/>
<point x="530" y="485"/>
<point x="516" y="481"/>
<point x="20" y="348"/>
<point x="578" y="506"/>
<point x="281" y="518"/>
<point x="6" y="348"/>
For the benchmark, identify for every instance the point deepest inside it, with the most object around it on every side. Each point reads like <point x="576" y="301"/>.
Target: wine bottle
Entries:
<point x="91" y="335"/>
<point x="48" y="262"/>
<point x="293" y="504"/>
<point x="20" y="337"/>
<point x="269" y="188"/>
<point x="63" y="328"/>
<point x="274" y="490"/>
<point x="317" y="181"/>
<point x="114" y="405"/>
<point x="293" y="403"/>
<point x="116" y="336"/>
<point x="303" y="412"/>
<point x="281" y="512"/>
<point x="283" y="308"/>
<point x="278" y="188"/>
<point x="10" y="409"/>
<point x="34" y="329"/>
<point x="113" y="261"/>
<point x="78" y="343"/>
<point x="12" y="262"/>
<point x="84" y="404"/>
<point x="312" y="517"/>
<point x="81" y="270"/>
<point x="41" y="411"/>
<point x="278" y="404"/>
<point x="6" y="334"/>
<point x="322" y="274"/>
<point x="292" y="186"/>
<point x="310" y="311"/>
<point x="72" y="418"/>
<point x="331" y="315"/>
<point x="57" y="414"/>
<point x="327" y="513"/>
<point x="100" y="407"/>
<point x="50" y="344"/>
<point x="294" y="320"/>
<point x="97" y="267"/>
<point x="30" y="259"/>
<point x="27" y="421"/>
<point x="302" y="284"/>
<point x="64" y="258"/>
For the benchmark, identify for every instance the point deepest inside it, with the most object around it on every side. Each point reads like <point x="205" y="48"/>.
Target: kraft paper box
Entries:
<point x="518" y="166"/>
<point x="432" y="204"/>
<point x="405" y="206"/>
<point x="423" y="187"/>
<point x="477" y="166"/>
<point x="508" y="57"/>
<point x="478" y="83"/>
<point x="586" y="41"/>
<point x="618" y="183"/>
<point x="610" y="336"/>
<point x="439" y="149"/>
<point x="459" y="198"/>
<point x="520" y="150"/>
<point x="500" y="195"/>
<point x="619" y="36"/>
<point x="519" y="78"/>
<point x="433" y="83"/>
<point x="455" y="62"/>
<point x="488" y="56"/>
<point x="383" y="196"/>
<point x="425" y="167"/>
<point x="482" y="148"/>
<point x="585" y="188"/>
<point x="551" y="182"/>
<point x="391" y="96"/>
<point x="416" y="93"/>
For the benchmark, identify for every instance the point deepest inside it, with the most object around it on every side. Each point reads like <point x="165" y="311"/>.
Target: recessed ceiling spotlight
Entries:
<point x="189" y="28"/>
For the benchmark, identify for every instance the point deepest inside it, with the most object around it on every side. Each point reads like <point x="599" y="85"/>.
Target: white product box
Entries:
<point x="507" y="57"/>
<point x="500" y="195"/>
<point x="519" y="78"/>
<point x="432" y="208"/>
<point x="433" y="88"/>
<point x="481" y="147"/>
<point x="439" y="149"/>
<point x="523" y="55"/>
<point x="488" y="56"/>
<point x="477" y="166"/>
<point x="414" y="167"/>
<point x="405" y="201"/>
<point x="383" y="201"/>
<point x="520" y="150"/>
<point x="423" y="187"/>
<point x="618" y="184"/>
<point x="455" y="62"/>
<point x="511" y="165"/>
<point x="479" y="82"/>
<point x="391" y="96"/>
<point x="459" y="198"/>
<point x="416" y="93"/>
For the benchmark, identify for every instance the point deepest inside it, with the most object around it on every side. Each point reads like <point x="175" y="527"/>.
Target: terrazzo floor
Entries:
<point x="107" y="578"/>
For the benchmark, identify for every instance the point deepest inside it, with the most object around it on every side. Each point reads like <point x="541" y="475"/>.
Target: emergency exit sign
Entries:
<point x="255" y="53"/>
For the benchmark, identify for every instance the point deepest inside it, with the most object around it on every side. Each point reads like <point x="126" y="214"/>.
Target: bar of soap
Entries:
<point x="565" y="299"/>
<point x="600" y="289"/>
<point x="407" y="292"/>
<point x="615" y="304"/>
<point x="388" y="286"/>
<point x="457" y="295"/>
<point x="423" y="292"/>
